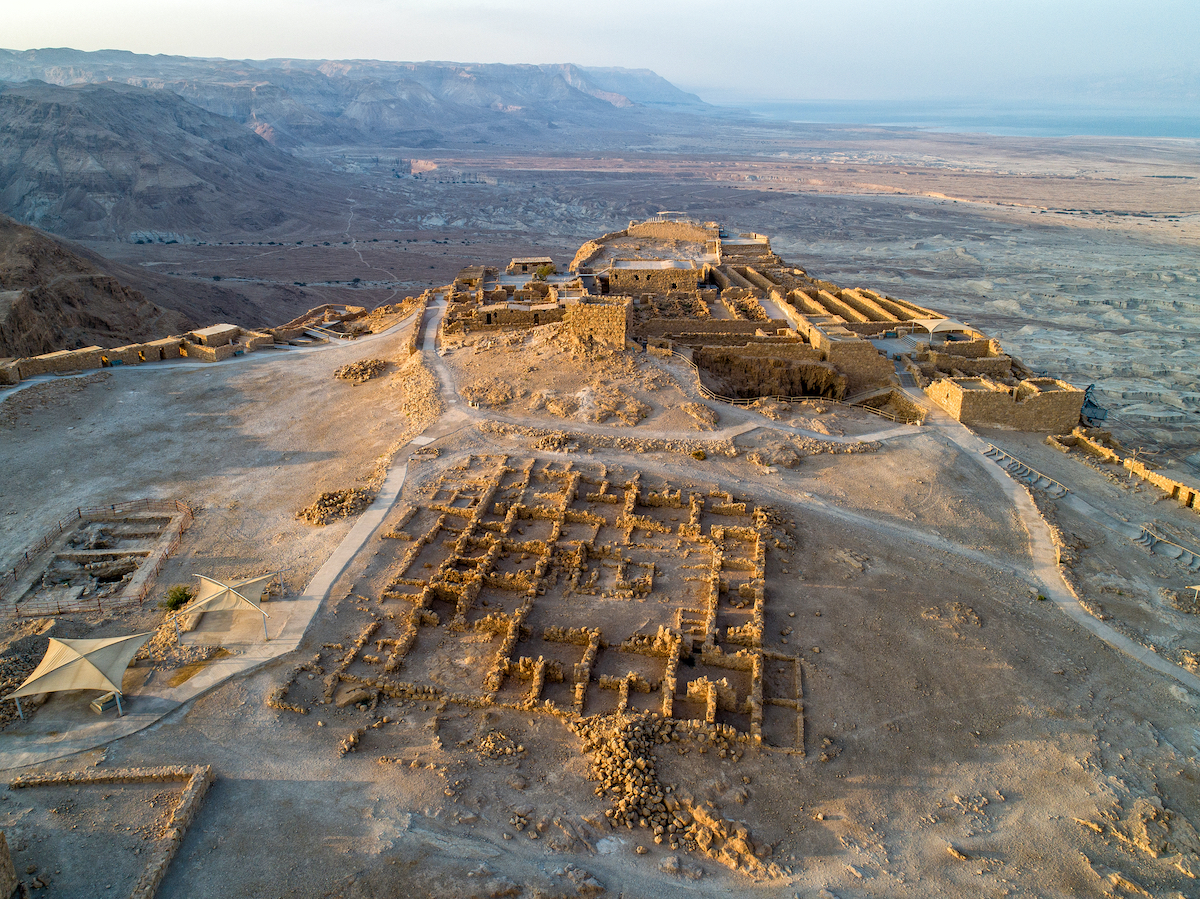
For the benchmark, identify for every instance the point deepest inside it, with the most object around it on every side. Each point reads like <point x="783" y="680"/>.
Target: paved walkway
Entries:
<point x="65" y="727"/>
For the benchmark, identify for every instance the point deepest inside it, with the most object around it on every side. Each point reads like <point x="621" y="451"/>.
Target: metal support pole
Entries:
<point x="119" y="712"/>
<point x="17" y="700"/>
<point x="266" y="636"/>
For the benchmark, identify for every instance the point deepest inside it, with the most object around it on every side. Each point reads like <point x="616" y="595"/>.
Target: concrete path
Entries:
<point x="66" y="725"/>
<point x="1045" y="562"/>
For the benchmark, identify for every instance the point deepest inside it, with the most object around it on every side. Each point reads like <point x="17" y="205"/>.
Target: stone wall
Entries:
<point x="63" y="360"/>
<point x="10" y="372"/>
<point x="652" y="280"/>
<point x="593" y="248"/>
<point x="743" y="373"/>
<point x="502" y="318"/>
<point x="1040" y="404"/>
<point x="688" y="231"/>
<point x="1185" y="494"/>
<point x="992" y="366"/>
<point x="662" y="327"/>
<point x="208" y="353"/>
<point x="862" y="364"/>
<point x="599" y="324"/>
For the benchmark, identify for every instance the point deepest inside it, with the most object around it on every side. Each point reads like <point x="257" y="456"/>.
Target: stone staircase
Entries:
<point x="1187" y="558"/>
<point x="1022" y="472"/>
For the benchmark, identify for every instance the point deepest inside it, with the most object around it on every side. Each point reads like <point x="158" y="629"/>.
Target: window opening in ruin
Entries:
<point x="489" y="318"/>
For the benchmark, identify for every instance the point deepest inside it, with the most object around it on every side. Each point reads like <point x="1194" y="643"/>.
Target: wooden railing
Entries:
<point x="95" y="513"/>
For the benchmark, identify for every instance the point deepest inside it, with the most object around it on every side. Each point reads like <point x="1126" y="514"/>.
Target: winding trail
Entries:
<point x="43" y="738"/>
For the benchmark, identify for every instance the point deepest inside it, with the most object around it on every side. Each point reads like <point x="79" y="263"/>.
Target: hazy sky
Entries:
<point x="769" y="49"/>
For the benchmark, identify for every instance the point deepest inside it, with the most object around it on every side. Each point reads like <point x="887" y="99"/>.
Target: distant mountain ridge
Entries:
<point x="296" y="102"/>
<point x="111" y="160"/>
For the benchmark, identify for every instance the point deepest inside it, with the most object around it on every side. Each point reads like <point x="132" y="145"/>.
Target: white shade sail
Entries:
<point x="213" y="596"/>
<point x="937" y="325"/>
<point x="82" y="665"/>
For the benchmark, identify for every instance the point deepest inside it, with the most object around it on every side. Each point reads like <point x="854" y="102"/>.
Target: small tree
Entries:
<point x="543" y="272"/>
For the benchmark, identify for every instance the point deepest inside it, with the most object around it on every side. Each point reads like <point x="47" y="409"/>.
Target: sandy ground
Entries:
<point x="960" y="735"/>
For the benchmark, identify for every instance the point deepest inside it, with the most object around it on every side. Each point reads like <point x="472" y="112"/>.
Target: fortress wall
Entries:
<point x="503" y="319"/>
<point x="1028" y="408"/>
<point x="804" y="303"/>
<point x="603" y="324"/>
<point x="167" y="348"/>
<point x="737" y="340"/>
<point x="948" y="395"/>
<point x="998" y="367"/>
<point x="735" y="278"/>
<point x="656" y="280"/>
<point x="126" y="355"/>
<point x="63" y="360"/>
<point x="872" y="329"/>
<point x="862" y="364"/>
<point x="1185" y="494"/>
<point x="255" y="340"/>
<point x="758" y="279"/>
<point x="765" y="350"/>
<point x="208" y="353"/>
<point x="661" y="327"/>
<point x="10" y="372"/>
<point x="670" y="231"/>
<point x="972" y="349"/>
<point x="904" y="308"/>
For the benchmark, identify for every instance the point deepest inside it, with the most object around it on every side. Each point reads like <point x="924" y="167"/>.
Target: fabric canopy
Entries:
<point x="936" y="325"/>
<point x="82" y="665"/>
<point x="217" y="597"/>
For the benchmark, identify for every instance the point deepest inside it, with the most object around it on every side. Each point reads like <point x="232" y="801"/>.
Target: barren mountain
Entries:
<point x="115" y="161"/>
<point x="51" y="298"/>
<point x="295" y="102"/>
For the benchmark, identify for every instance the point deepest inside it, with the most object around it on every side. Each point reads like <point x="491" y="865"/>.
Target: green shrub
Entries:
<point x="699" y="455"/>
<point x="177" y="597"/>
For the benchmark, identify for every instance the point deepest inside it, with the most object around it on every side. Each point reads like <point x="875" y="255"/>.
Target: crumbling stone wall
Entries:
<point x="657" y="280"/>
<point x="676" y="327"/>
<point x="1185" y="494"/>
<point x="500" y="318"/>
<point x="599" y="324"/>
<point x="862" y="364"/>
<point x="689" y="231"/>
<point x="1039" y="404"/>
<point x="749" y="375"/>
<point x="992" y="366"/>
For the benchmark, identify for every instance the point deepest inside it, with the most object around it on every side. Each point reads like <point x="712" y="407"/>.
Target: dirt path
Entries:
<point x="1045" y="567"/>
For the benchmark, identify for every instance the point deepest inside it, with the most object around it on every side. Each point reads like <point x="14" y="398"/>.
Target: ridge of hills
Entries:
<point x="110" y="160"/>
<point x="296" y="102"/>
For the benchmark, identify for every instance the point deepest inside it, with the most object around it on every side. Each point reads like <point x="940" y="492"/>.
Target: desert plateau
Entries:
<point x="535" y="481"/>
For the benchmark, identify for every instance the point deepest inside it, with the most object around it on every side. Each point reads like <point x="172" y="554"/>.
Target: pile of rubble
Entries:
<point x="336" y="504"/>
<point x="164" y="651"/>
<point x="621" y="748"/>
<point x="362" y="370"/>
